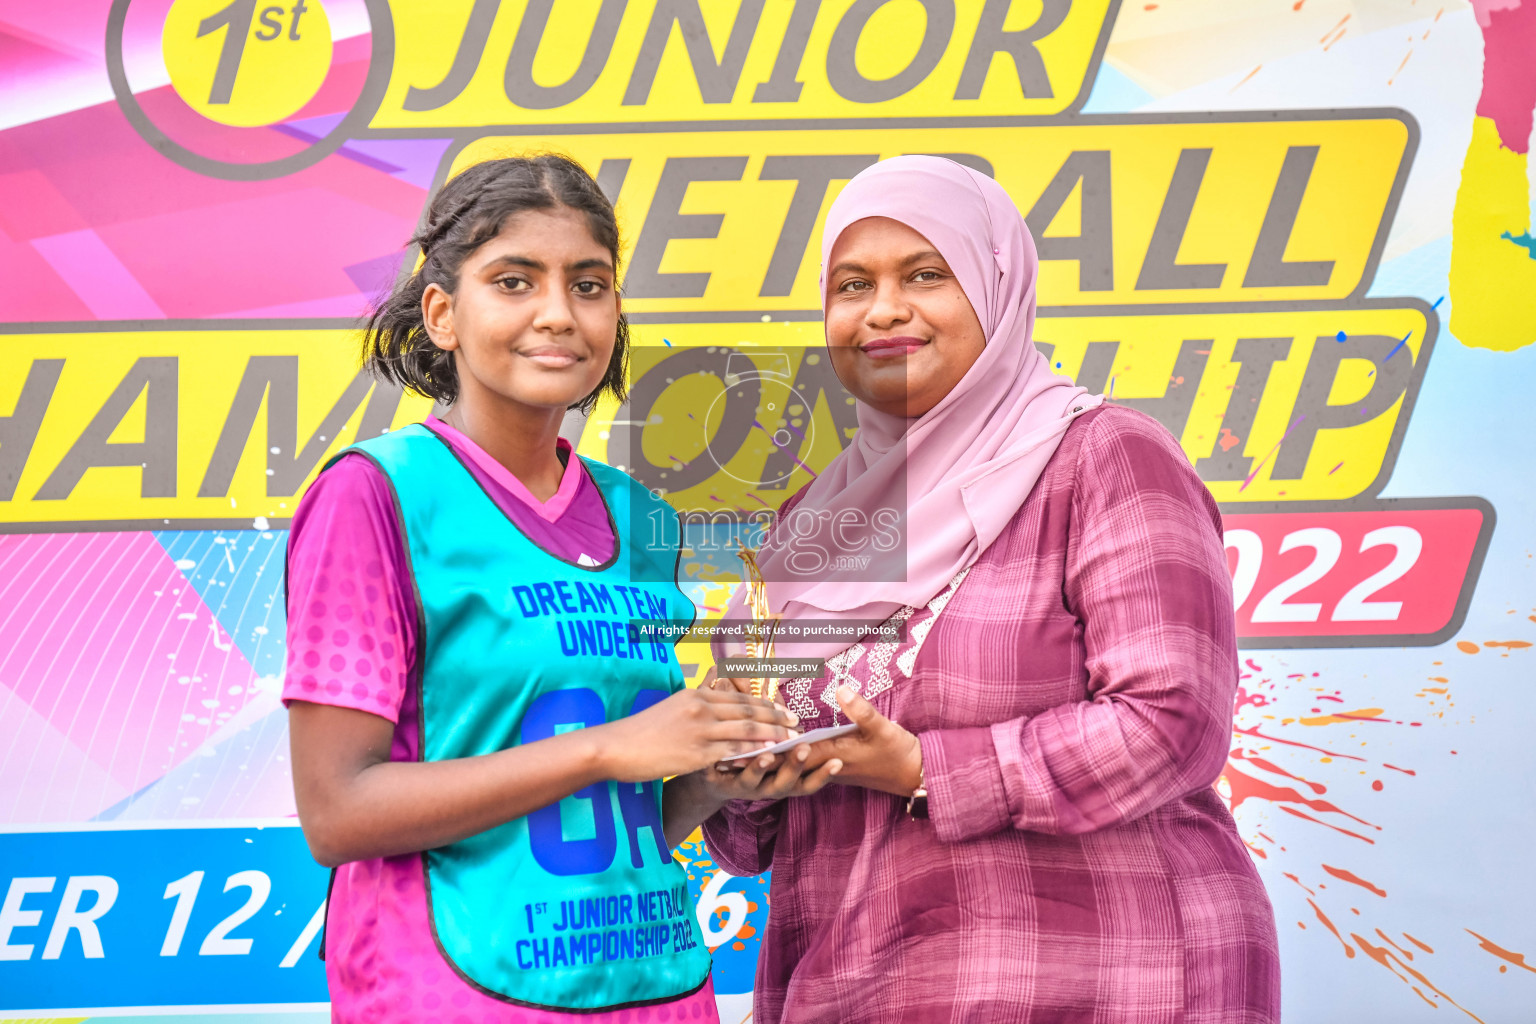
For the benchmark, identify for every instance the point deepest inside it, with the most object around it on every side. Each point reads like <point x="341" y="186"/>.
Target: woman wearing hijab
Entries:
<point x="1024" y="827"/>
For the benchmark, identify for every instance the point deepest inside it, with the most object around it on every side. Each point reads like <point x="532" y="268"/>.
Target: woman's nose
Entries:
<point x="888" y="307"/>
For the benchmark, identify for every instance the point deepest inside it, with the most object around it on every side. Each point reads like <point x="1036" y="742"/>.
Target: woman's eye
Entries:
<point x="589" y="287"/>
<point x="926" y="276"/>
<point x="511" y="283"/>
<point x="852" y="286"/>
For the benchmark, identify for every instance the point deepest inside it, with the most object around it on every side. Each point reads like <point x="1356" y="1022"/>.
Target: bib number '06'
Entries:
<point x="578" y="835"/>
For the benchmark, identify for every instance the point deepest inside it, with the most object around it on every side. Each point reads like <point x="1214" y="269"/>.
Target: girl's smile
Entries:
<point x="553" y="356"/>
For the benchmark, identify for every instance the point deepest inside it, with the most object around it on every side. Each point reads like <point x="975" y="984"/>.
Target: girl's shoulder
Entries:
<point x="351" y="484"/>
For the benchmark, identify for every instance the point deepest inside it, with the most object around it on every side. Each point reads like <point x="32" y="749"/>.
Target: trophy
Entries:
<point x="759" y="639"/>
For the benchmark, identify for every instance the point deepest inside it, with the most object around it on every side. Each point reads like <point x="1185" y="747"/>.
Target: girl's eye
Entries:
<point x="511" y="283"/>
<point x="589" y="287"/>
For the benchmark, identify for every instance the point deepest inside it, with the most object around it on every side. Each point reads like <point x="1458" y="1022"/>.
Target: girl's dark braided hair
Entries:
<point x="466" y="213"/>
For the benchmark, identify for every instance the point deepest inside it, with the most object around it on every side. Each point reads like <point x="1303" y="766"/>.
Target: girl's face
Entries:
<point x="900" y="331"/>
<point x="534" y="318"/>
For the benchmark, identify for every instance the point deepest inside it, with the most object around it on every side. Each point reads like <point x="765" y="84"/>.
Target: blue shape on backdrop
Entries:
<point x="1114" y="93"/>
<point x="239" y="576"/>
<point x="253" y="944"/>
<point x="223" y="782"/>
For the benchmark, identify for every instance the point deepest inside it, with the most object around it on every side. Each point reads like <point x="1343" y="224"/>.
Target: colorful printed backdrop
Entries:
<point x="1296" y="231"/>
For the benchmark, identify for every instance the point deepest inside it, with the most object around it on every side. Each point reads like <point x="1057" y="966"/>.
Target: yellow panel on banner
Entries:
<point x="1124" y="209"/>
<point x="1269" y="404"/>
<point x="140" y="429"/>
<point x="1301" y="405"/>
<point x="472" y="64"/>
<point x="216" y="425"/>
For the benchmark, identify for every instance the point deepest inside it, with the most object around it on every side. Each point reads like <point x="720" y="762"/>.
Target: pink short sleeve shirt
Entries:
<point x="352" y="642"/>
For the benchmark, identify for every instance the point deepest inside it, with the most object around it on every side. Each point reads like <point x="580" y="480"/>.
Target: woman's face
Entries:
<point x="900" y="331"/>
<point x="535" y="315"/>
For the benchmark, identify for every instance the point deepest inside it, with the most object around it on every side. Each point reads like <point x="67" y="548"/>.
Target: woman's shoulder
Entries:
<point x="1114" y="452"/>
<point x="1115" y="429"/>
<point x="794" y="499"/>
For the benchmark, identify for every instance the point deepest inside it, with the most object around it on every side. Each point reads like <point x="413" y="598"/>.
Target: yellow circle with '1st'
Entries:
<point x="246" y="62"/>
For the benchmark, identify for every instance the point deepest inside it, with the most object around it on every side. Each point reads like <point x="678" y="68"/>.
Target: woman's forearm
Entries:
<point x="686" y="803"/>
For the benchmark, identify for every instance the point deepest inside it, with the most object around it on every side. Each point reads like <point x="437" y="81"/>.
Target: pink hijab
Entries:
<point x="957" y="474"/>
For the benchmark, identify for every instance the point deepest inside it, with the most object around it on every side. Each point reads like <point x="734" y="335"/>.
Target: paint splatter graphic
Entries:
<point x="1524" y="240"/>
<point x="732" y="912"/>
<point x="1298" y="748"/>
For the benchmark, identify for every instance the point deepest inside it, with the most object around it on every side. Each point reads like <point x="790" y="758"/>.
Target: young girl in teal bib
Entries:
<point x="478" y="732"/>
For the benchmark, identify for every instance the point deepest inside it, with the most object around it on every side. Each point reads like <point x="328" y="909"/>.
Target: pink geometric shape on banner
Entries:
<point x="33" y="291"/>
<point x="95" y="273"/>
<point x="186" y="127"/>
<point x="417" y="159"/>
<point x="72" y="27"/>
<point x="350" y="58"/>
<point x="34" y="207"/>
<point x="72" y="32"/>
<point x="171" y="228"/>
<point x="293" y="245"/>
<point x="26" y="56"/>
<point x="373" y="277"/>
<point x="28" y="739"/>
<point x="40" y="62"/>
<point x="103" y="637"/>
<point x="248" y="774"/>
<point x="242" y="775"/>
<point x="345" y="306"/>
<point x="110" y="174"/>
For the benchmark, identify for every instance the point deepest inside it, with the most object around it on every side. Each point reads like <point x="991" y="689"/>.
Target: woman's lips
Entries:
<point x="890" y="348"/>
<point x="554" y="358"/>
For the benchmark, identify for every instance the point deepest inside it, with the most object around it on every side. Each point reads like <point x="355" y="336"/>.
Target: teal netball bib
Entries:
<point x="578" y="906"/>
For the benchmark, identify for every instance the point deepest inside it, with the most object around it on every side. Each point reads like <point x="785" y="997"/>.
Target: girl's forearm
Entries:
<point x="401" y="807"/>
<point x="398" y="807"/>
<point x="355" y="803"/>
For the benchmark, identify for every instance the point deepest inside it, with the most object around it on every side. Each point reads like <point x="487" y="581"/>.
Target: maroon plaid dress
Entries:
<point x="1073" y="697"/>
